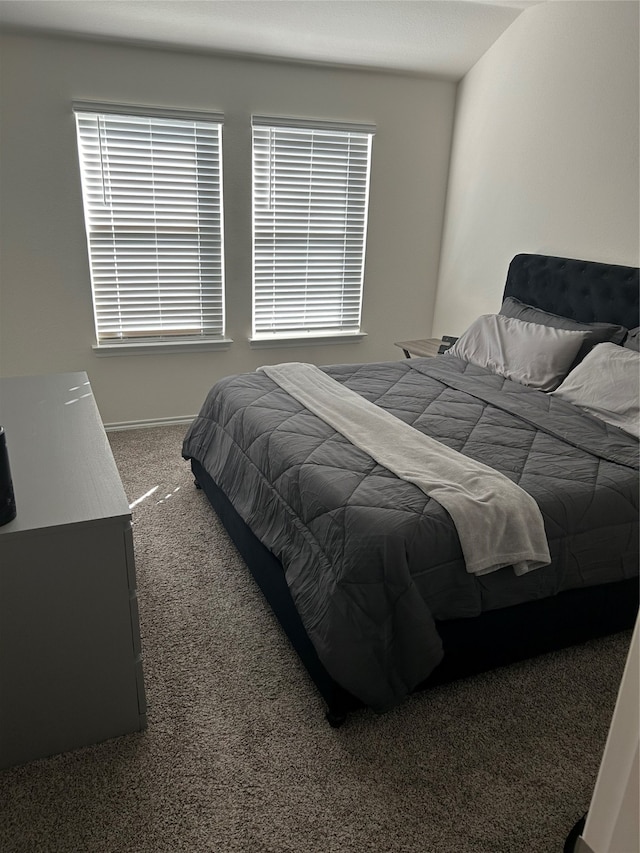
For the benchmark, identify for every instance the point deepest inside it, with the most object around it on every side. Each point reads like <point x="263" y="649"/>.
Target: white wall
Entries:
<point x="46" y="320"/>
<point x="545" y="154"/>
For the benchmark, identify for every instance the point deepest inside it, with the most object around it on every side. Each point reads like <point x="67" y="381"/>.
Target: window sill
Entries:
<point x="307" y="340"/>
<point x="161" y="347"/>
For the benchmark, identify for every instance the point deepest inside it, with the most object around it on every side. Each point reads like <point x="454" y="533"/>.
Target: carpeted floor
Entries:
<point x="238" y="756"/>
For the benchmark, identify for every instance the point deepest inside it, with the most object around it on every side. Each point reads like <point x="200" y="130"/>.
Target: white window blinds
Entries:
<point x="153" y="209"/>
<point x="310" y="200"/>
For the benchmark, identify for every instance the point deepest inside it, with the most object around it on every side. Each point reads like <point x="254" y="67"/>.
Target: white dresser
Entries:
<point x="70" y="657"/>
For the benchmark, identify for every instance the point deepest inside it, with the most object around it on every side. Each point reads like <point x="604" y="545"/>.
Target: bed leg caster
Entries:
<point x="335" y="719"/>
<point x="196" y="484"/>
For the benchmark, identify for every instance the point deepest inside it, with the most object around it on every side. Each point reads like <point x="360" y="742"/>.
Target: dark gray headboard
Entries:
<point x="586" y="291"/>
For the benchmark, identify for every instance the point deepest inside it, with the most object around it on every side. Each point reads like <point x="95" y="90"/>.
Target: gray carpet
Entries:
<point x="238" y="756"/>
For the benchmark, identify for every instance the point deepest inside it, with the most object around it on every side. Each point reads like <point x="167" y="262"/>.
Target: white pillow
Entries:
<point x="606" y="384"/>
<point x="534" y="355"/>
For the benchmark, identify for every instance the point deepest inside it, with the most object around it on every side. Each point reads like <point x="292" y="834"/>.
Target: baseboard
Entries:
<point x="153" y="422"/>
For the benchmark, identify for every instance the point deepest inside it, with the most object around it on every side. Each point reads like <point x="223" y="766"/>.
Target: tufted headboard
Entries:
<point x="585" y="291"/>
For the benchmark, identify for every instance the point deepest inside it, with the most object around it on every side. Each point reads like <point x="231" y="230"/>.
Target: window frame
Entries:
<point x="327" y="334"/>
<point x="157" y="341"/>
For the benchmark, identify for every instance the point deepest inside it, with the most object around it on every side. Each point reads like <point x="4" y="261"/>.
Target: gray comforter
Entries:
<point x="371" y="561"/>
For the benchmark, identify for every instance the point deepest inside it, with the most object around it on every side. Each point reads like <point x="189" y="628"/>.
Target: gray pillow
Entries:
<point x="529" y="353"/>
<point x="632" y="341"/>
<point x="606" y="384"/>
<point x="598" y="332"/>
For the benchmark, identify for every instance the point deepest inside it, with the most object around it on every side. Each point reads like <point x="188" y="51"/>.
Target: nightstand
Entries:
<point x="423" y="347"/>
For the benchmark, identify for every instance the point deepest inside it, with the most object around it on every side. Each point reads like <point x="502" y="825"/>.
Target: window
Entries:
<point x="152" y="194"/>
<point x="310" y="200"/>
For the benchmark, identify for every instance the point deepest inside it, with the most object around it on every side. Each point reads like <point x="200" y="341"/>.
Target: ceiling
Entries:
<point x="435" y="37"/>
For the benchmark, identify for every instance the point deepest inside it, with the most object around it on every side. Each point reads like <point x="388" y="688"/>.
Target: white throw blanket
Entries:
<point x="498" y="523"/>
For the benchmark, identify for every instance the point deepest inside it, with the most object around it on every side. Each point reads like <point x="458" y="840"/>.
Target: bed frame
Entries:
<point x="582" y="290"/>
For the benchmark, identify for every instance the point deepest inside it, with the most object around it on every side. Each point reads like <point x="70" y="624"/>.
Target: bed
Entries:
<point x="365" y="571"/>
